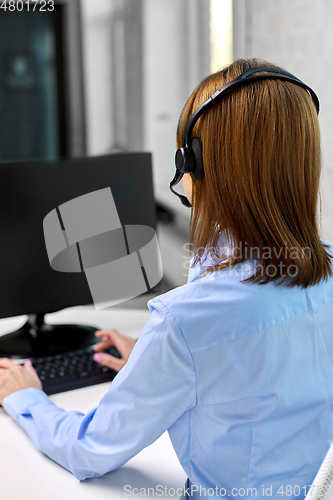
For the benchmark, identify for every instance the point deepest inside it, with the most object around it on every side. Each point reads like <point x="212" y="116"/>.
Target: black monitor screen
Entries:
<point x="31" y="190"/>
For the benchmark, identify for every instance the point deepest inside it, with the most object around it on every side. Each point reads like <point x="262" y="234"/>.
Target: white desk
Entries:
<point x="27" y="474"/>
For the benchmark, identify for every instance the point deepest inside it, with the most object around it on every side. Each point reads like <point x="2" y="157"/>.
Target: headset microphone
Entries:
<point x="188" y="157"/>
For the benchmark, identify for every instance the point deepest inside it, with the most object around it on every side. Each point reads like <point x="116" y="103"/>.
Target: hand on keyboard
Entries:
<point x="80" y="368"/>
<point x="123" y="344"/>
<point x="16" y="377"/>
<point x="73" y="370"/>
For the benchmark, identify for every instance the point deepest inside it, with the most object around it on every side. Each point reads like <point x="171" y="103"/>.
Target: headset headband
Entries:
<point x="185" y="156"/>
<point x="241" y="80"/>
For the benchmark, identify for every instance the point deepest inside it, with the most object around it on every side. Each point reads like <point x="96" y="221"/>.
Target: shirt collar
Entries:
<point x="196" y="270"/>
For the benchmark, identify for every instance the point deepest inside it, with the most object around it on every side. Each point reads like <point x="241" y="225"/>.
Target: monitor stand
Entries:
<point x="37" y="339"/>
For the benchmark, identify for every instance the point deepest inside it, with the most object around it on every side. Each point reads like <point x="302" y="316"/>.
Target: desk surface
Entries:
<point x="28" y="474"/>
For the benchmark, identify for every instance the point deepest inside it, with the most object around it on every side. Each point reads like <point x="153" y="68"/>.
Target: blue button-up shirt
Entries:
<point x="240" y="374"/>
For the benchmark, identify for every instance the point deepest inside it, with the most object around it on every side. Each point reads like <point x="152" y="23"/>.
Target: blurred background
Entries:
<point x="90" y="77"/>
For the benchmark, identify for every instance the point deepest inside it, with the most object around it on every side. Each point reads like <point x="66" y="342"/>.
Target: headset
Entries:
<point x="188" y="158"/>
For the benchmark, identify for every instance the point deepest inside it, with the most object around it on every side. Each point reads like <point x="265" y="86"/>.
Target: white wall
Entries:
<point x="164" y="86"/>
<point x="97" y="58"/>
<point x="176" y="55"/>
<point x="298" y="36"/>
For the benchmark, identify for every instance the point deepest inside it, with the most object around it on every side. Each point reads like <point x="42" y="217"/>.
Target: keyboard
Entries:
<point x="72" y="370"/>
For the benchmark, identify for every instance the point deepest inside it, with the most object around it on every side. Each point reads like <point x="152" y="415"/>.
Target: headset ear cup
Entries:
<point x="196" y="145"/>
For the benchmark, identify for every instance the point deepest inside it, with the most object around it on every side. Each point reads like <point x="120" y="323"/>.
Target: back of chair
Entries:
<point x="322" y="486"/>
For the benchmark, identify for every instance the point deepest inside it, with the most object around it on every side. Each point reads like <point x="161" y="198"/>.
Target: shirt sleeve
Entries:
<point x="155" y="387"/>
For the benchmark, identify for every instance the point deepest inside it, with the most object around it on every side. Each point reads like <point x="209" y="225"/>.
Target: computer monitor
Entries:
<point x="28" y="284"/>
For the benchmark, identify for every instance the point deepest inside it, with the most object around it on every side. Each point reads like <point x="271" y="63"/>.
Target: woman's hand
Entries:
<point x="108" y="338"/>
<point x="16" y="377"/>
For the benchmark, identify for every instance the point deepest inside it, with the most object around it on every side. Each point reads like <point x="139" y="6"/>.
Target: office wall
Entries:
<point x="97" y="57"/>
<point x="298" y="36"/>
<point x="177" y="57"/>
<point x="142" y="59"/>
